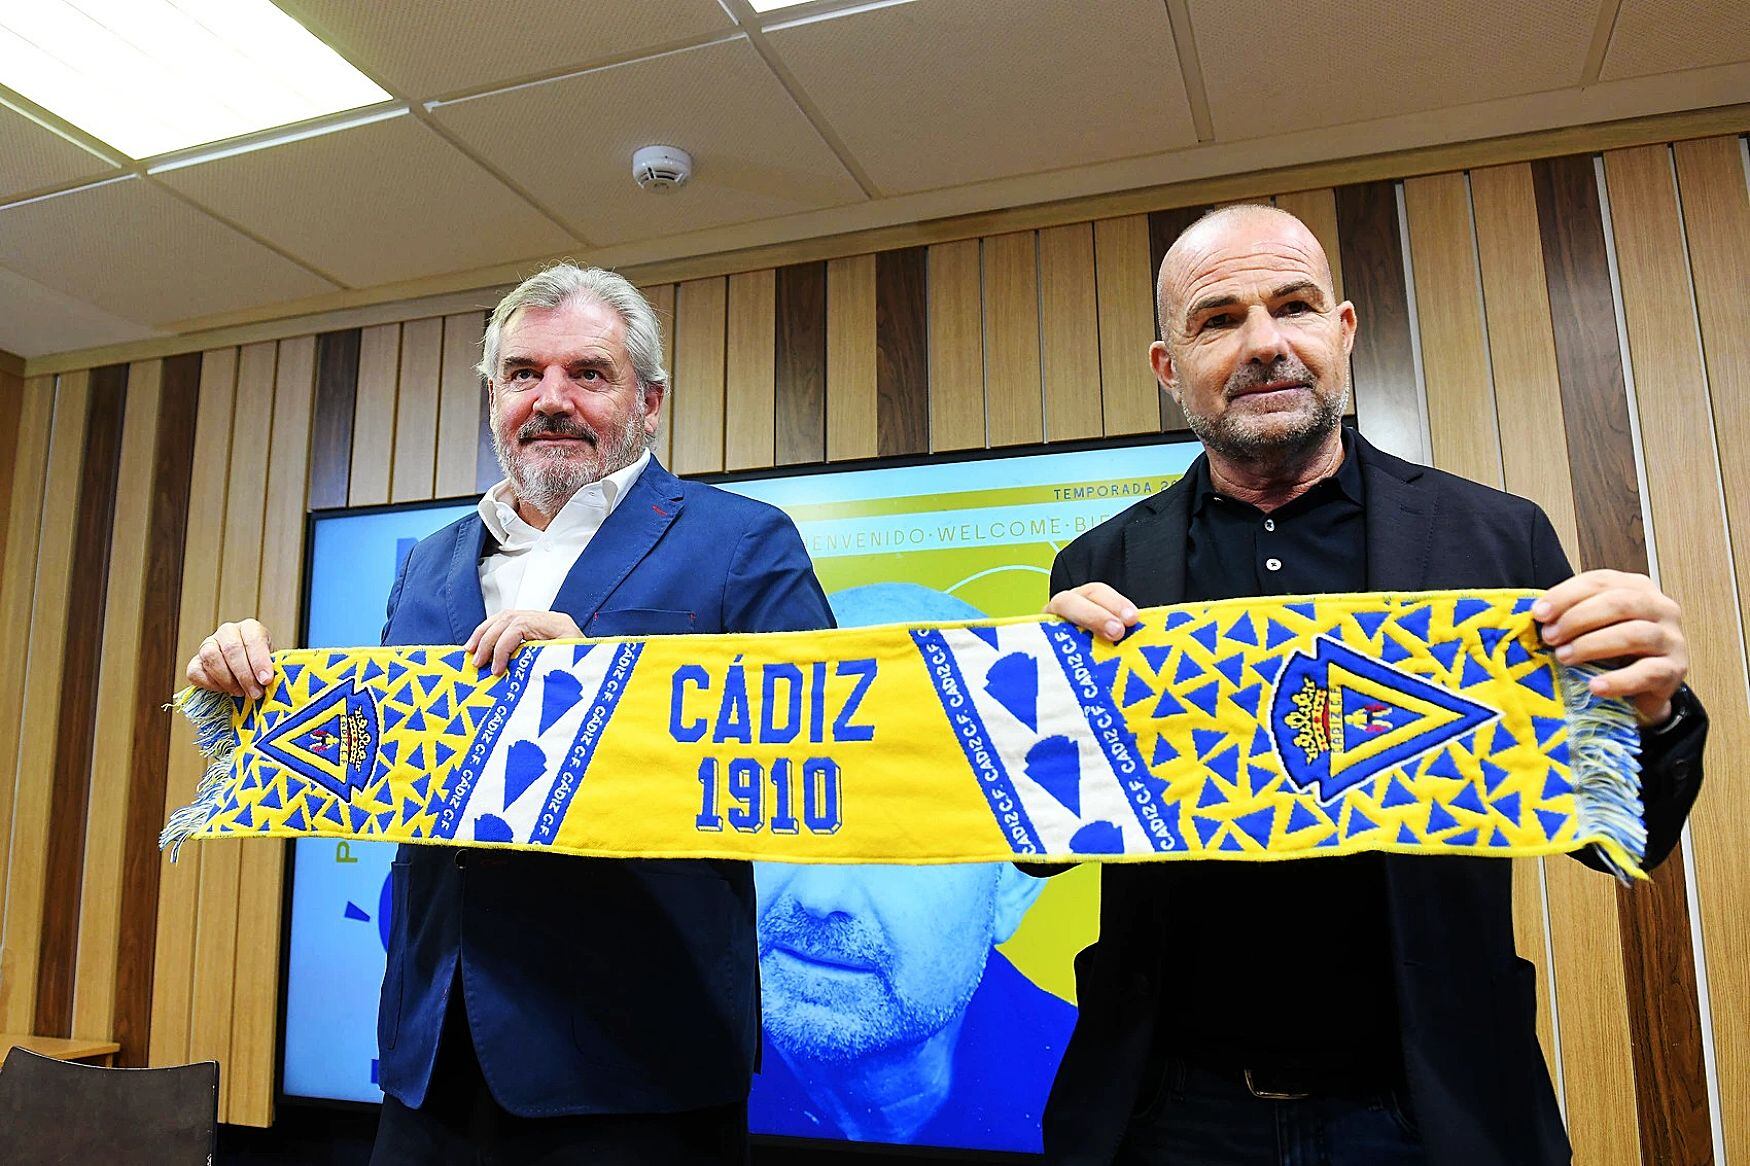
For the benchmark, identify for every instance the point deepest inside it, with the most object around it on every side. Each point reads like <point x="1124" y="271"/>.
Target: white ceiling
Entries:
<point x="513" y="122"/>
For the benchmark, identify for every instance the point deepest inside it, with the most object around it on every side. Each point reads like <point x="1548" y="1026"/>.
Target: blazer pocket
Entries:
<point x="640" y="621"/>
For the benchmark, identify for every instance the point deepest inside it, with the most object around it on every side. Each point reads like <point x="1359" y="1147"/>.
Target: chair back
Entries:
<point x="56" y="1113"/>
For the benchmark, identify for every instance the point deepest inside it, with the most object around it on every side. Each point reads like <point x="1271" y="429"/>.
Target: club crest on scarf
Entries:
<point x="332" y="741"/>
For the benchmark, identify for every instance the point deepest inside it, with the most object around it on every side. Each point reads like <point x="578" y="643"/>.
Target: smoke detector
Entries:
<point x="661" y="167"/>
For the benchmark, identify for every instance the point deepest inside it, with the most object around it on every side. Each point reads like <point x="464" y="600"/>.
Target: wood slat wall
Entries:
<point x="1489" y="303"/>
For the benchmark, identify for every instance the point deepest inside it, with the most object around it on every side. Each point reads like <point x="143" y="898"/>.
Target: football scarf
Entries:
<point x="1243" y="729"/>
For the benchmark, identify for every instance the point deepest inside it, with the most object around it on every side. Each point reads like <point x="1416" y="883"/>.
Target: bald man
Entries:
<point x="1366" y="1009"/>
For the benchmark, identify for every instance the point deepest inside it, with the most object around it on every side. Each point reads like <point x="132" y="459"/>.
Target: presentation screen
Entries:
<point x="923" y="1006"/>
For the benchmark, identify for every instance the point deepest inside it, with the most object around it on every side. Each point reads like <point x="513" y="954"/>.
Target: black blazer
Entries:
<point x="1466" y="1002"/>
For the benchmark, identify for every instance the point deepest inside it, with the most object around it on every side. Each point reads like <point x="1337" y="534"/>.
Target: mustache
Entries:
<point x="1250" y="377"/>
<point x="832" y="938"/>
<point x="556" y="425"/>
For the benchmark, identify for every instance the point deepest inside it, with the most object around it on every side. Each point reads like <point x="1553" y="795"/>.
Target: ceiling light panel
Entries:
<point x="152" y="76"/>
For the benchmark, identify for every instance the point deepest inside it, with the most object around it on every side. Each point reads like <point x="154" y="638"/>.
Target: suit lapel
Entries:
<point x="1400" y="521"/>
<point x="638" y="521"/>
<point x="1154" y="549"/>
<point x="462" y="600"/>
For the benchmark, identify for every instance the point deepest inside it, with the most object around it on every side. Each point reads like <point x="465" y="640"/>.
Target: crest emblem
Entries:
<point x="1339" y="718"/>
<point x="332" y="741"/>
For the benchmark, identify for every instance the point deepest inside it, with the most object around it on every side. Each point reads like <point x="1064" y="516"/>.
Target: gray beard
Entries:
<point x="1229" y="436"/>
<point x="549" y="485"/>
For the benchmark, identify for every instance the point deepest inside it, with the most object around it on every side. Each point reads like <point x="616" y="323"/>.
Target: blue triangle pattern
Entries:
<point x="439" y="707"/>
<point x="1205" y="635"/>
<point x="1493" y="775"/>
<point x="298" y="819"/>
<point x="1546" y="728"/>
<point x="1205" y="696"/>
<point x="359" y="818"/>
<point x="1444" y="766"/>
<point x="245" y="818"/>
<point x="1229" y="842"/>
<point x="1203" y="740"/>
<point x="396" y="671"/>
<point x="1439" y="819"/>
<point x="1135" y="690"/>
<point x="421" y="787"/>
<point x="1242" y="631"/>
<point x="988" y="635"/>
<point x="1417" y="622"/>
<point x="1257" y="824"/>
<point x="271" y="799"/>
<point x="454" y="660"/>
<point x="1211" y="796"/>
<point x="1447" y="653"/>
<point x="1540" y="681"/>
<point x="1467" y="799"/>
<point x="1491" y="638"/>
<point x="476" y="714"/>
<point x="1269" y="668"/>
<point x="1369" y="622"/>
<point x="371" y="671"/>
<point x="1232" y="668"/>
<point x="1516" y="654"/>
<point x="1301" y="818"/>
<point x="333" y="814"/>
<point x="1156" y="657"/>
<point x="1466" y="610"/>
<point x="1499" y="839"/>
<point x="1226" y="763"/>
<point x="1391" y="651"/>
<point x="1474" y="672"/>
<point x="1304" y="610"/>
<point x="409" y="810"/>
<point x="385" y="820"/>
<point x="1559" y="755"/>
<point x="1177" y="619"/>
<point x="1359" y="823"/>
<point x="1206" y="828"/>
<point x="291" y="672"/>
<point x="1260" y="744"/>
<point x="1551" y="821"/>
<point x="1396" y="795"/>
<point x="1555" y="785"/>
<point x="1406" y="835"/>
<point x="1168" y="706"/>
<point x="1462" y="838"/>
<point x="1106" y="673"/>
<point x="1508" y="808"/>
<point x="1276" y="635"/>
<point x="1249" y="698"/>
<point x="392" y="716"/>
<point x="1164" y="751"/>
<point x="441" y="753"/>
<point x="1523" y="605"/>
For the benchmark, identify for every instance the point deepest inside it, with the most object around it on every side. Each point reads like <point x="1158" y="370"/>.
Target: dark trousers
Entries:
<point x="461" y="1124"/>
<point x="1197" y="1116"/>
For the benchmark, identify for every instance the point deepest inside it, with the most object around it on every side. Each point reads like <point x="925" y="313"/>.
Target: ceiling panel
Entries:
<point x="35" y="321"/>
<point x="1272" y="68"/>
<point x="140" y="253"/>
<point x="411" y="204"/>
<point x="33" y="158"/>
<point x="1666" y="36"/>
<point x="569" y="143"/>
<point x="428" y="48"/>
<point x="944" y="92"/>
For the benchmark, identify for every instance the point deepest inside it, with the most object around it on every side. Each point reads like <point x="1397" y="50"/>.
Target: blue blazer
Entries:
<point x="593" y="985"/>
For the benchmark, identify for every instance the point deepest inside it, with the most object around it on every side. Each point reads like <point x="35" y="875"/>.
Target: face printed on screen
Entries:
<point x="857" y="961"/>
<point x="567" y="408"/>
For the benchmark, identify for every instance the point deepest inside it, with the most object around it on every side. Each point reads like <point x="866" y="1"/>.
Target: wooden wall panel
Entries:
<point x="17" y="594"/>
<point x="76" y="718"/>
<point x="801" y="364"/>
<point x="337" y="376"/>
<point x="1455" y="347"/>
<point x="1387" y="407"/>
<point x="21" y="925"/>
<point x="1318" y="210"/>
<point x="661" y="298"/>
<point x="1069" y="333"/>
<point x="1534" y="461"/>
<point x="413" y="464"/>
<point x="11" y="405"/>
<point x="239" y="596"/>
<point x="1591" y="993"/>
<point x="700" y="319"/>
<point x="113" y="750"/>
<point x="957" y="400"/>
<point x="373" y="425"/>
<point x="902" y="352"/>
<point x="159" y="671"/>
<point x="1689" y="518"/>
<point x="461" y="406"/>
<point x="197" y="616"/>
<point x="851" y="401"/>
<point x="1013" y="393"/>
<point x="261" y="871"/>
<point x="1163" y="228"/>
<point x="749" y="423"/>
<point x="1130" y="397"/>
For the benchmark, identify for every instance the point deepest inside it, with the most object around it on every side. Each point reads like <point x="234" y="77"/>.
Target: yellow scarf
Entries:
<point x="1244" y="729"/>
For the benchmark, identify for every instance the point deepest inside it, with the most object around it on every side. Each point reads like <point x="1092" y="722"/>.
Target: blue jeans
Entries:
<point x="1198" y="1117"/>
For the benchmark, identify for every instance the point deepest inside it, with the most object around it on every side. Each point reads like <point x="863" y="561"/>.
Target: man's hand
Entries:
<point x="494" y="641"/>
<point x="1096" y="608"/>
<point x="235" y="660"/>
<point x="1625" y="621"/>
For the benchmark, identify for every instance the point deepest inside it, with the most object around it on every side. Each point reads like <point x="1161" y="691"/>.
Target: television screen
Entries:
<point x="950" y="988"/>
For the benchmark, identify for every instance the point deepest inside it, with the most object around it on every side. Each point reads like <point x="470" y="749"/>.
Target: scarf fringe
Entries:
<point x="212" y="715"/>
<point x="1604" y="747"/>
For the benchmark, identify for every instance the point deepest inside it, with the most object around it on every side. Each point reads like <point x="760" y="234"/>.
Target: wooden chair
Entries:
<point x="56" y="1113"/>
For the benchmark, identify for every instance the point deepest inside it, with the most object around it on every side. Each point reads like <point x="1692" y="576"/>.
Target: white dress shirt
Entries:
<point x="527" y="569"/>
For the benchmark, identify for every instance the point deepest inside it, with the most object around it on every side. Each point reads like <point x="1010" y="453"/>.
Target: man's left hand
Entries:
<point x="494" y="641"/>
<point x="1626" y="623"/>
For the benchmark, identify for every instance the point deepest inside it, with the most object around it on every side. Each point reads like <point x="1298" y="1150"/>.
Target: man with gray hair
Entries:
<point x="541" y="1007"/>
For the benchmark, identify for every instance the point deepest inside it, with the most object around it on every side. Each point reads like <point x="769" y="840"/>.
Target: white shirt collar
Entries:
<point x="583" y="513"/>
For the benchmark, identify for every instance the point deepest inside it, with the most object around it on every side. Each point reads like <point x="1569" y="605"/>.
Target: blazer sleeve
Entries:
<point x="1670" y="756"/>
<point x="770" y="585"/>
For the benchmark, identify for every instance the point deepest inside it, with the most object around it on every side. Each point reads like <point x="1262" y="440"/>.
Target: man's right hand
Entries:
<point x="235" y="659"/>
<point x="1096" y="608"/>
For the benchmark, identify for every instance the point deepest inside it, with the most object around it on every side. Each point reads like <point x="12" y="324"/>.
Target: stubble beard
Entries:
<point x="1271" y="440"/>
<point x="546" y="482"/>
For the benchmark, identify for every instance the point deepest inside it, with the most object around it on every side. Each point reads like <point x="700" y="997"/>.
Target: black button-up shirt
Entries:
<point x="1280" y="965"/>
